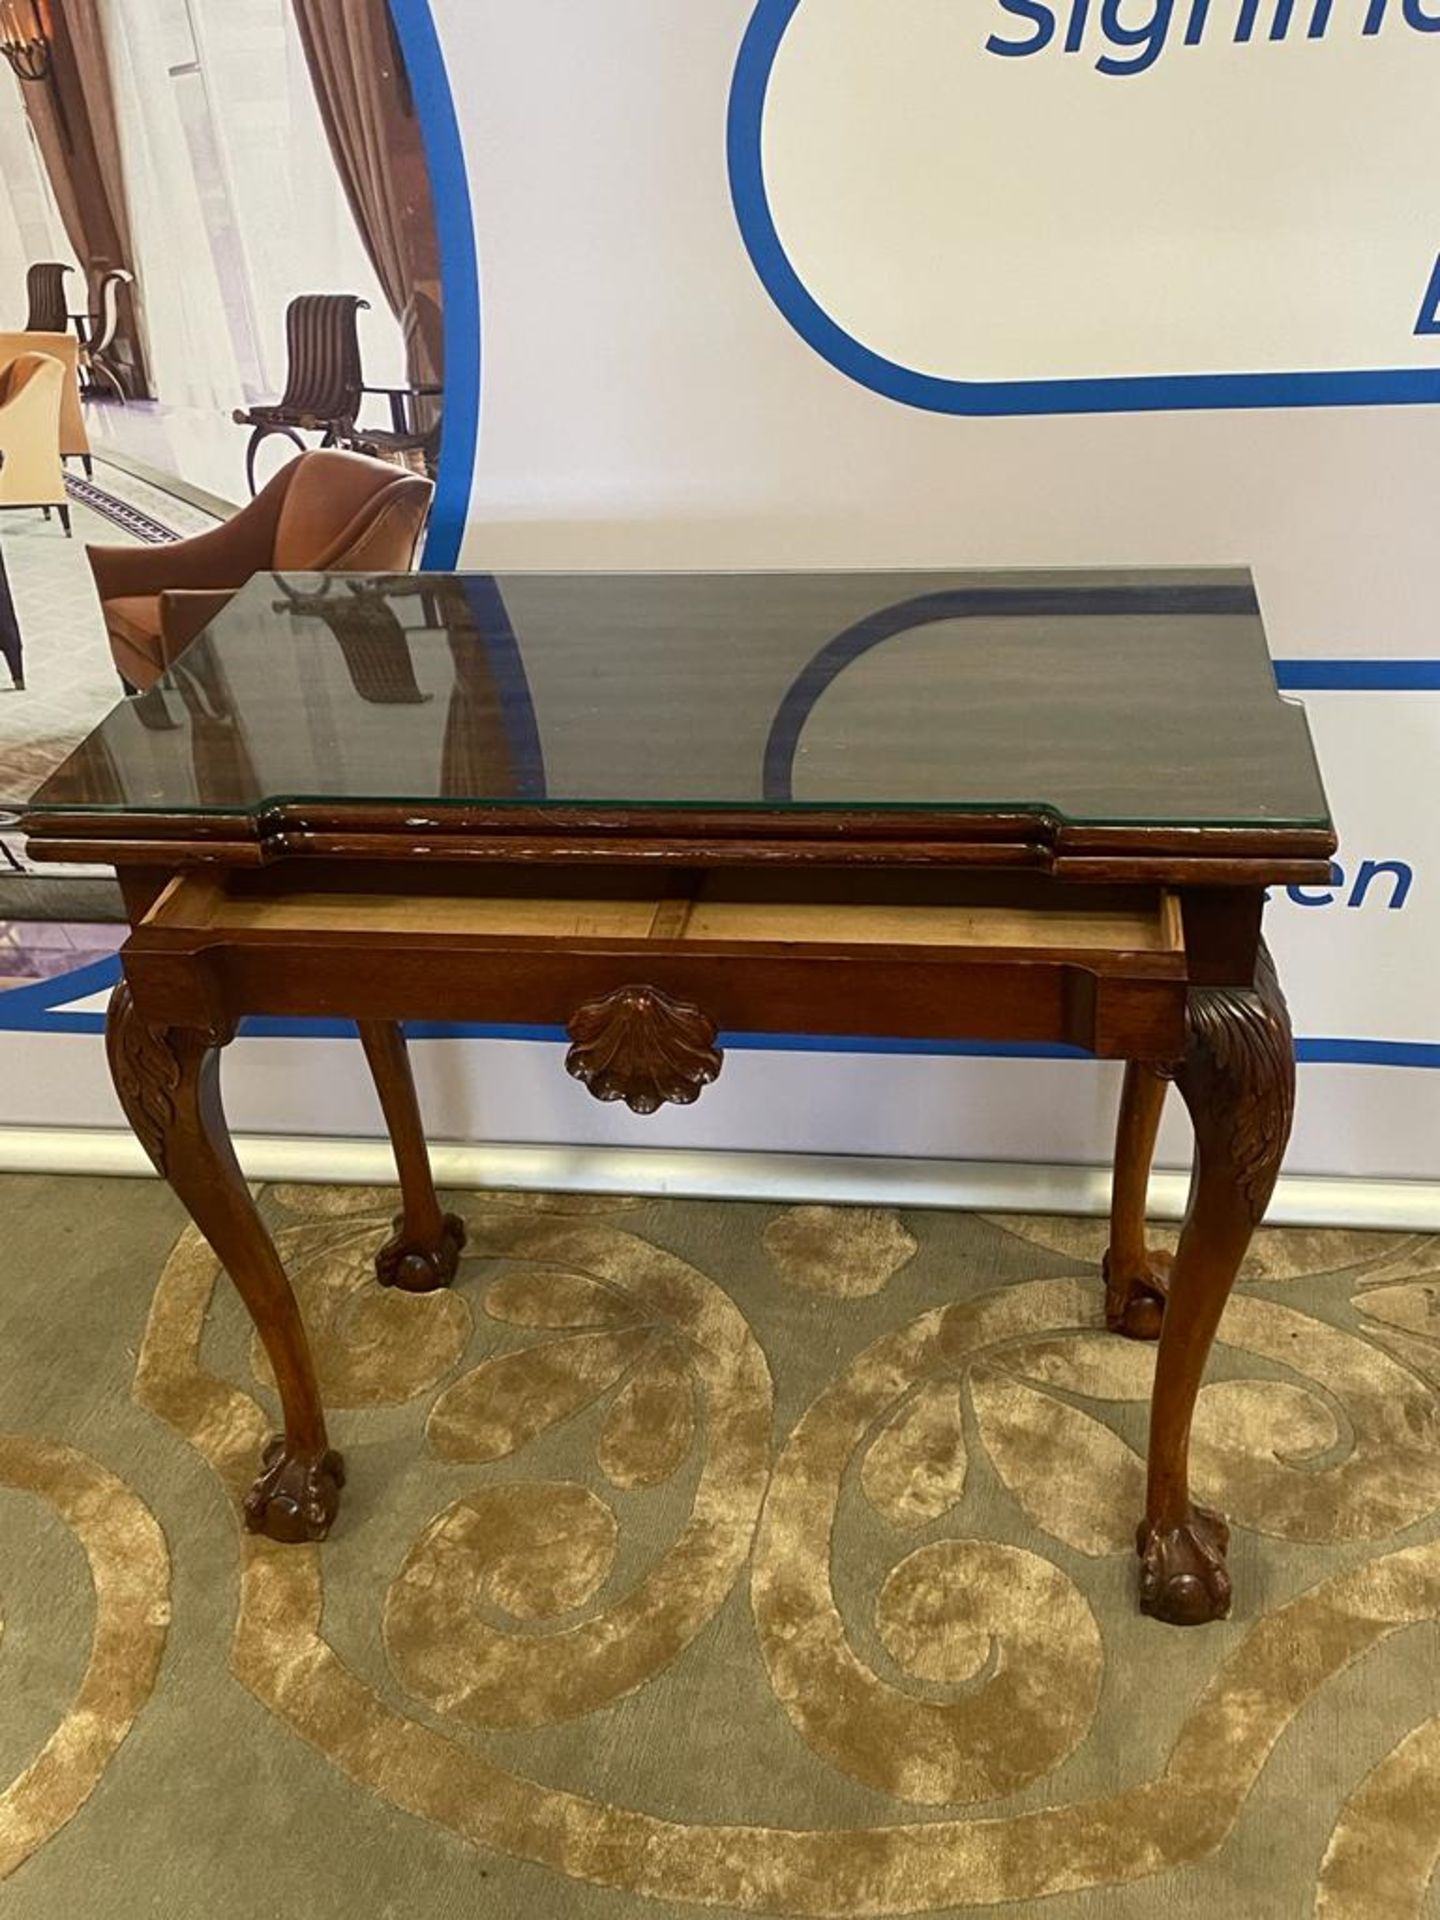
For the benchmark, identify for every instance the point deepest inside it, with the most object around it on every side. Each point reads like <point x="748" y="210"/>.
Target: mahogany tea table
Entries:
<point x="657" y="809"/>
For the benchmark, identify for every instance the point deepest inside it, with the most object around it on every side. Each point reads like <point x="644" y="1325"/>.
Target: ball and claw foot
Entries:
<point x="1135" y="1302"/>
<point x="413" y="1269"/>
<point x="297" y="1495"/>
<point x="1183" y="1577"/>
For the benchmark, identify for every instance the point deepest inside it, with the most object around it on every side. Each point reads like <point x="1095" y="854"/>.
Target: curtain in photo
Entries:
<point x="78" y="136"/>
<point x="237" y="204"/>
<point x="30" y="225"/>
<point x="374" y="133"/>
<point x="291" y="225"/>
<point x="194" y="359"/>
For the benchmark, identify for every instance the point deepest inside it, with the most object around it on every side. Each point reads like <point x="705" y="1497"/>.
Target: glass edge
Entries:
<point x="1031" y="809"/>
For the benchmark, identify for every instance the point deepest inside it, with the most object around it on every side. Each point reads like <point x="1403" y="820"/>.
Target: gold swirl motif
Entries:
<point x="650" y="1427"/>
<point x="941" y="1610"/>
<point x="130" y="1569"/>
<point x="1262" y="1447"/>
<point x="536" y="1549"/>
<point x="1385" y="1848"/>
<point x="1176" y="1816"/>
<point x="1276" y="1253"/>
<point x="846" y="1253"/>
<point x="512" y="1398"/>
<point x="1347" y="1448"/>
<point x="916" y="1467"/>
<point x="373" y="1346"/>
<point x="324" y="1203"/>
<point x="1072" y="1474"/>
<point x="1184" y="1813"/>
<point x="444" y="1651"/>
<point x="1016" y="1721"/>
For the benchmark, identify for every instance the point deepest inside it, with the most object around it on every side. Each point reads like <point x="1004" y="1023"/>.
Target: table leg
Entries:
<point x="1238" y="1080"/>
<point x="168" y="1080"/>
<point x="1137" y="1277"/>
<point x="425" y="1249"/>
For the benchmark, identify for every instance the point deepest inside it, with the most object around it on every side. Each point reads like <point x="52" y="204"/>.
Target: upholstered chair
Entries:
<point x="326" y="512"/>
<point x="31" y="389"/>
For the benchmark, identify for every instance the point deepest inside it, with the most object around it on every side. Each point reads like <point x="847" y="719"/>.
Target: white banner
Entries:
<point x="1007" y="191"/>
<point x="667" y="383"/>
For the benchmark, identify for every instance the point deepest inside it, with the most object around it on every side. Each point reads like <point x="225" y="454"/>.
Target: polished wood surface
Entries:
<point x="728" y="884"/>
<point x="1219" y="858"/>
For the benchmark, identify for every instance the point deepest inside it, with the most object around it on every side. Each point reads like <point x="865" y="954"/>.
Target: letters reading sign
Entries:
<point x="958" y="205"/>
<point x="1134" y="36"/>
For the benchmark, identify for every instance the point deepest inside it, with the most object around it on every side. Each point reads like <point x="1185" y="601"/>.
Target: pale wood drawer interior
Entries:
<point x="722" y="907"/>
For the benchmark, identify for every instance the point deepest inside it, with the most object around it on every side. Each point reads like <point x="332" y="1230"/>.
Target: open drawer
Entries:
<point x="927" y="954"/>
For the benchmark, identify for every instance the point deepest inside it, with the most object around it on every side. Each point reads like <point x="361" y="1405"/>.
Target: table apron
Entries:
<point x="902" y="995"/>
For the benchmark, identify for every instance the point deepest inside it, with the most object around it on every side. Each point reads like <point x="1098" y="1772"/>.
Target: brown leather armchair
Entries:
<point x="326" y="512"/>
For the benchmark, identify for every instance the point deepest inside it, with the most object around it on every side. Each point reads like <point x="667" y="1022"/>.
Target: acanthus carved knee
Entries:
<point x="1238" y="1078"/>
<point x="148" y="1065"/>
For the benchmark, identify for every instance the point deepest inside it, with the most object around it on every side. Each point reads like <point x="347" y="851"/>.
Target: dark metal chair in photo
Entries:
<point x="372" y="642"/>
<point x="412" y="439"/>
<point x="45" y="286"/>
<point x="323" y="383"/>
<point x="97" y="359"/>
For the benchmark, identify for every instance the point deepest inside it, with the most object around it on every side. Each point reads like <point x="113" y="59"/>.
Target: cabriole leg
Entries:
<point x="425" y="1249"/>
<point x="168" y="1080"/>
<point x="1238" y="1080"/>
<point x="1137" y="1278"/>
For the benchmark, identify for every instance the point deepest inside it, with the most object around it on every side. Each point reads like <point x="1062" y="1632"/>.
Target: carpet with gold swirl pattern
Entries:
<point x="751" y="1559"/>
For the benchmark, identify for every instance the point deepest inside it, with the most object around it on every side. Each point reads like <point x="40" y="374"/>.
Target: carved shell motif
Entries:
<point x="638" y="1045"/>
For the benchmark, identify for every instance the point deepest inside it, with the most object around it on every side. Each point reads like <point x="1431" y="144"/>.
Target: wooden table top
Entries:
<point x="1107" y="725"/>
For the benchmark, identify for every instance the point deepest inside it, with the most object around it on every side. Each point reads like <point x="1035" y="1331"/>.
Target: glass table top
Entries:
<point x="1143" y="699"/>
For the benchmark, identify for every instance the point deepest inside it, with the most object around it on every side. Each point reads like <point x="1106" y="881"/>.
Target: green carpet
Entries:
<point x="700" y="1556"/>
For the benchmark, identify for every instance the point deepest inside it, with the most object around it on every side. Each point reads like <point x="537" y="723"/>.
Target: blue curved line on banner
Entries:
<point x="459" y="274"/>
<point x="953" y="603"/>
<point x="41" y="1009"/>
<point x="1358" y="676"/>
<point x="486" y="601"/>
<point x="819" y="674"/>
<point x="1129" y="394"/>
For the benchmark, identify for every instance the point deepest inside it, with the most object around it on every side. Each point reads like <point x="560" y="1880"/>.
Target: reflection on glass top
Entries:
<point x="1105" y="698"/>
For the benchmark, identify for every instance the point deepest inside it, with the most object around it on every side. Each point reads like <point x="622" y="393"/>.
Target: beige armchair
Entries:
<point x="31" y="389"/>
<point x="64" y="347"/>
<point x="326" y="512"/>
